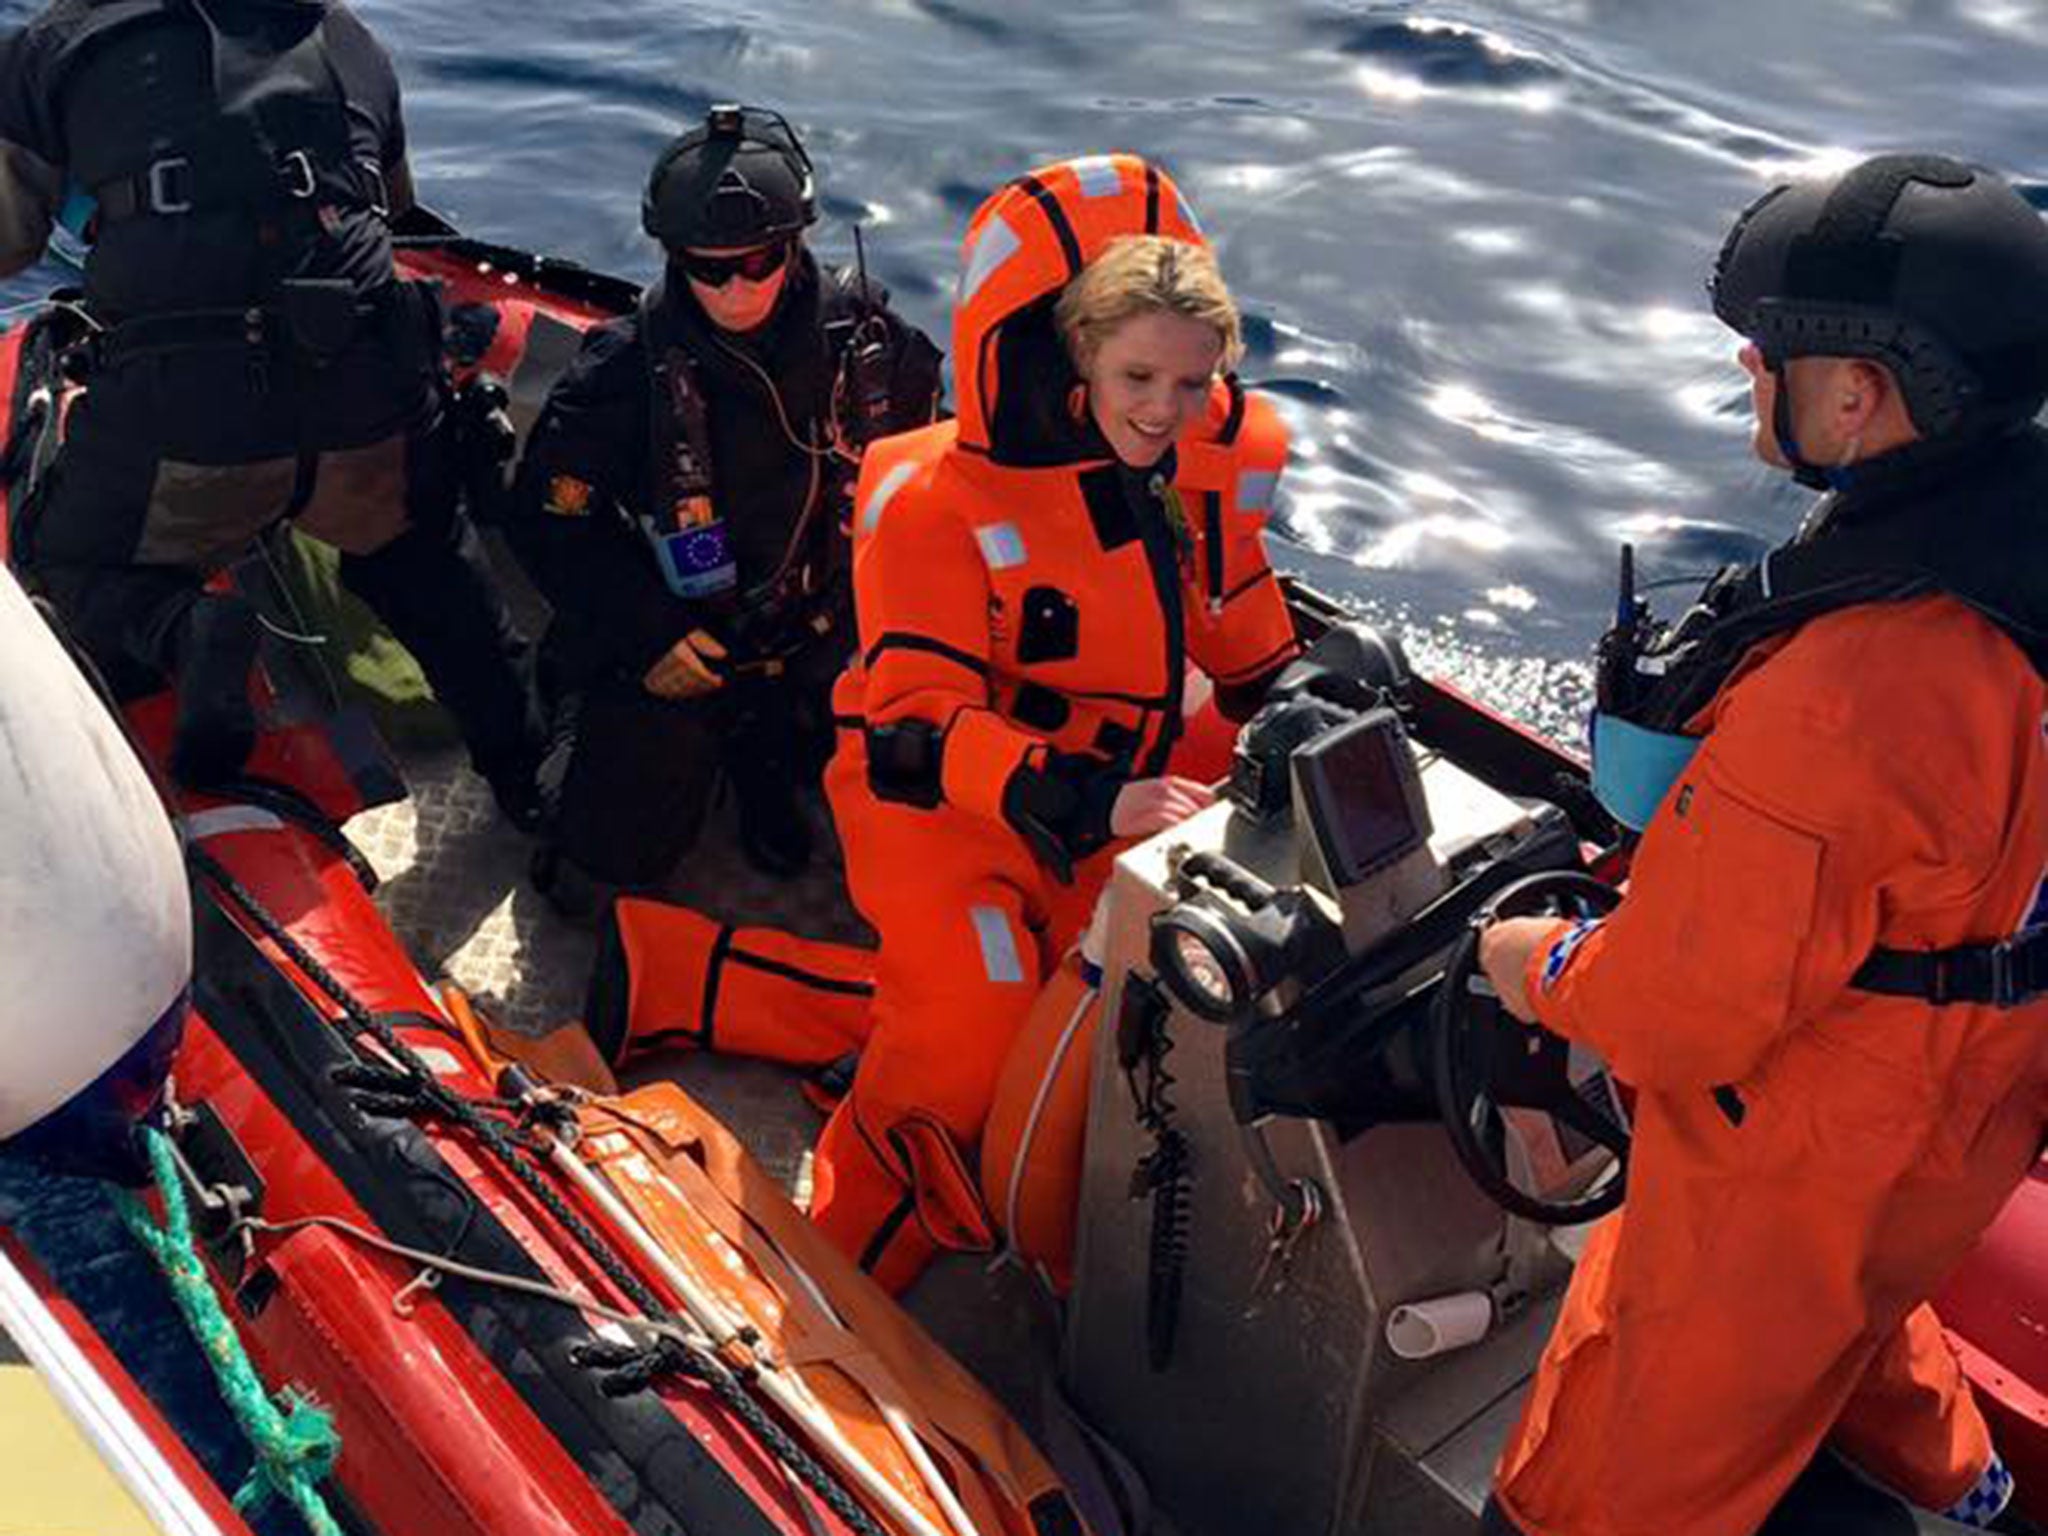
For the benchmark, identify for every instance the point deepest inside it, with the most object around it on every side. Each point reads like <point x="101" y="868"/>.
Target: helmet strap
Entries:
<point x="1811" y="475"/>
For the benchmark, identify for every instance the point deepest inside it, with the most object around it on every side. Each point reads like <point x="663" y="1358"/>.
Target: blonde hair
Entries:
<point x="1141" y="275"/>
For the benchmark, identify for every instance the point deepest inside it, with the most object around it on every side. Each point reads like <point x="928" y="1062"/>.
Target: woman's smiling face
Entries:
<point x="1149" y="379"/>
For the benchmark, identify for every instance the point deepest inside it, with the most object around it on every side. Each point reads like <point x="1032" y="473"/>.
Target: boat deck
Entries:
<point x="453" y="886"/>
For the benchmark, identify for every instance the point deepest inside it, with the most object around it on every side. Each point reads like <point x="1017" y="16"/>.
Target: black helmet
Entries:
<point x="741" y="179"/>
<point x="1937" y="269"/>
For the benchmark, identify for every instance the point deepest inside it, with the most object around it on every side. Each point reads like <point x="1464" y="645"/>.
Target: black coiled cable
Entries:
<point x="1165" y="1173"/>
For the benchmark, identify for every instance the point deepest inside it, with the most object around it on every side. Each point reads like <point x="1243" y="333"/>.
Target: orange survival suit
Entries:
<point x="1812" y="1157"/>
<point x="1028" y="610"/>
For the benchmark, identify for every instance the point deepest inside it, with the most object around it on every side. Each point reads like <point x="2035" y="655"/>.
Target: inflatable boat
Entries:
<point x="533" y="1303"/>
<point x="528" y="1304"/>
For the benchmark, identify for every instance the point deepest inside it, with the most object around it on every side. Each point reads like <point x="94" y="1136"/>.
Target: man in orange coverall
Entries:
<point x="1825" y="979"/>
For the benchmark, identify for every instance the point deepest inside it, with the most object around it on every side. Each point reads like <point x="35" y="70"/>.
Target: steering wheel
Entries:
<point x="1486" y="1061"/>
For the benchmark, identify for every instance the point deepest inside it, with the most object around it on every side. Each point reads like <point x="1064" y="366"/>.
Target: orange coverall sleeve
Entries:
<point x="921" y="597"/>
<point x="1761" y="883"/>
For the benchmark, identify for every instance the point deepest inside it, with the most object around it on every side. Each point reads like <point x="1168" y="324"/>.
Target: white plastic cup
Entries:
<point x="1417" y="1330"/>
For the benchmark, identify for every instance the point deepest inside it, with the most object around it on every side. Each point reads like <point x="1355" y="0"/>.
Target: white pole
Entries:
<point x="788" y="1394"/>
<point x="99" y="1413"/>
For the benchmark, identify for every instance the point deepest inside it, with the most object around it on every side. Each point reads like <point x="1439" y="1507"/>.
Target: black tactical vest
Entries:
<point x="786" y="526"/>
<point x="230" y="146"/>
<point x="1971" y="522"/>
<point x="1974" y="527"/>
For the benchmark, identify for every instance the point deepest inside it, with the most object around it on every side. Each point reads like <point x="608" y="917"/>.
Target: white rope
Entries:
<point x="435" y="1263"/>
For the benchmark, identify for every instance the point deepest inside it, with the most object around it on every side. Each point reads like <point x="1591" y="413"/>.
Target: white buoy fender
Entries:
<point x="95" y="916"/>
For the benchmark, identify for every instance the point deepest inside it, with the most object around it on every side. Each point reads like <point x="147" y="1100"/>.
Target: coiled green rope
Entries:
<point x="294" y="1440"/>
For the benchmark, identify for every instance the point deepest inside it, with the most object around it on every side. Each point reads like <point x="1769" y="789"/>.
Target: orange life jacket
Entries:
<point x="868" y="1368"/>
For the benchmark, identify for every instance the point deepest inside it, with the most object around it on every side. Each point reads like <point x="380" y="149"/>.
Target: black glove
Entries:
<point x="1061" y="808"/>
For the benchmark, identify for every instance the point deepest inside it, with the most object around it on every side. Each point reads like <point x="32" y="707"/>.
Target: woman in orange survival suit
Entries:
<point x="1033" y="582"/>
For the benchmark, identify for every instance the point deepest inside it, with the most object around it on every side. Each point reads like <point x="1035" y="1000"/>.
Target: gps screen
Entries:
<point x="1360" y="784"/>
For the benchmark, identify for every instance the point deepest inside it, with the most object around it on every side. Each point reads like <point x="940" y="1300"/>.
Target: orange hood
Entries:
<point x="1011" y="374"/>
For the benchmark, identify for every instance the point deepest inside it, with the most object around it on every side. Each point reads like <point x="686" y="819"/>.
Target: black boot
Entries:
<point x="576" y="896"/>
<point x="216" y="724"/>
<point x="519" y="797"/>
<point x="434" y="590"/>
<point x="775" y="834"/>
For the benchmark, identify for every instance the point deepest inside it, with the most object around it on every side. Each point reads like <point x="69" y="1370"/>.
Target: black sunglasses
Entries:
<point x="755" y="266"/>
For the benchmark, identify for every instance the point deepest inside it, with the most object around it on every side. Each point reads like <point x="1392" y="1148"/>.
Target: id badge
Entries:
<point x="697" y="562"/>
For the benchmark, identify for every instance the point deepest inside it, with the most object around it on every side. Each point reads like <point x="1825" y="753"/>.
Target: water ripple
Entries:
<point x="1446" y="53"/>
<point x="1468" y="235"/>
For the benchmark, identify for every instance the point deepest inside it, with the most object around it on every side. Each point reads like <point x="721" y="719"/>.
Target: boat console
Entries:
<point x="1299" y="1304"/>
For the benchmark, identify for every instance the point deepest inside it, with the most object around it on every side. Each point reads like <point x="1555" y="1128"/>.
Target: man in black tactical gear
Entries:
<point x="683" y="504"/>
<point x="252" y="356"/>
